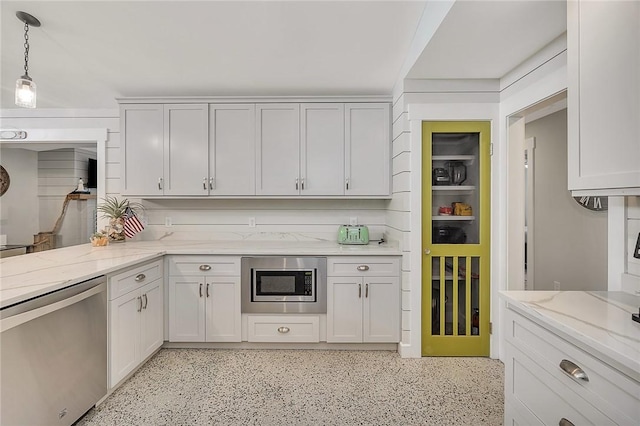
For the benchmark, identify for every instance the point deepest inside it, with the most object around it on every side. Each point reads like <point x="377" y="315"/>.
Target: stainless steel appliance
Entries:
<point x="274" y="284"/>
<point x="353" y="234"/>
<point x="54" y="355"/>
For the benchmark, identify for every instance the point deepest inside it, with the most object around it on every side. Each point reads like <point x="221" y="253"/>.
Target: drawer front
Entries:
<point x="263" y="328"/>
<point x="362" y="266"/>
<point x="533" y="391"/>
<point x="614" y="393"/>
<point x="204" y="265"/>
<point x="134" y="278"/>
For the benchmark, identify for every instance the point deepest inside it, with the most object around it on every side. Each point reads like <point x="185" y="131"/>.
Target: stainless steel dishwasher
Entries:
<point x="53" y="348"/>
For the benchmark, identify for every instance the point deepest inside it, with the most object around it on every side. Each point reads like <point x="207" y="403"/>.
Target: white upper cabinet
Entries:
<point x="367" y="149"/>
<point x="286" y="150"/>
<point x="142" y="149"/>
<point x="604" y="96"/>
<point x="186" y="142"/>
<point x="232" y="149"/>
<point x="322" y="149"/>
<point x="165" y="150"/>
<point x="278" y="149"/>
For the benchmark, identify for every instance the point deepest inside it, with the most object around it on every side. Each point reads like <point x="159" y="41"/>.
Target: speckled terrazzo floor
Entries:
<point x="295" y="387"/>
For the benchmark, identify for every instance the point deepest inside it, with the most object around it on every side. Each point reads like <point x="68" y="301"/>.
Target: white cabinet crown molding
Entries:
<point x="251" y="99"/>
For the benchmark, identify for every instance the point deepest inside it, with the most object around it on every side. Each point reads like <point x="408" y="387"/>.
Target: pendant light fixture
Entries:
<point x="25" y="86"/>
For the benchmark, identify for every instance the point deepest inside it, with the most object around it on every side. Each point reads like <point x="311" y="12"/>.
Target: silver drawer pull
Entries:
<point x="283" y="330"/>
<point x="565" y="422"/>
<point x="363" y="268"/>
<point x="205" y="267"/>
<point x="573" y="370"/>
<point x="140" y="277"/>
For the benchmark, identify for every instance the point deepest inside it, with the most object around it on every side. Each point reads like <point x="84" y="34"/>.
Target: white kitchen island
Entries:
<point x="571" y="358"/>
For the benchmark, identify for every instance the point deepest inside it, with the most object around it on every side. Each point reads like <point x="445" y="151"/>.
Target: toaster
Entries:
<point x="353" y="234"/>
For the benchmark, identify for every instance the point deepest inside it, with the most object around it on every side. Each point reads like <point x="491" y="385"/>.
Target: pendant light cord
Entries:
<point x="26" y="49"/>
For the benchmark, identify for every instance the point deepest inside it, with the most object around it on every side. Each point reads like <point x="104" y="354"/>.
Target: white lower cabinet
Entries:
<point x="550" y="381"/>
<point x="204" y="299"/>
<point x="136" y="319"/>
<point x="363" y="302"/>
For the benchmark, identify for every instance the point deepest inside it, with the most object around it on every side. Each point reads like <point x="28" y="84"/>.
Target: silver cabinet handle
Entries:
<point x="211" y="186"/>
<point x="347" y="184"/>
<point x="359" y="291"/>
<point x="565" y="422"/>
<point x="366" y="290"/>
<point x="204" y="183"/>
<point x="573" y="370"/>
<point x="302" y="184"/>
<point x="427" y="252"/>
<point x="283" y="330"/>
<point x="144" y="296"/>
<point x="205" y="267"/>
<point x="139" y="304"/>
<point x="207" y="289"/>
<point x="296" y="183"/>
<point x="200" y="289"/>
<point x="160" y="184"/>
<point x="363" y="268"/>
<point x="140" y="277"/>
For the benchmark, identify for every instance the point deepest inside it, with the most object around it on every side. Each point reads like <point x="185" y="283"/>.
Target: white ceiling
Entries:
<point x="487" y="39"/>
<point x="87" y="53"/>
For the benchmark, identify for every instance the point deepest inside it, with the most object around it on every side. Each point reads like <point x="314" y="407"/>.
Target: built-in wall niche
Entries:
<point x="44" y="168"/>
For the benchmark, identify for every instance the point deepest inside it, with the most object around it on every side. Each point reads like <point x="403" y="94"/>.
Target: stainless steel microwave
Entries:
<point x="275" y="284"/>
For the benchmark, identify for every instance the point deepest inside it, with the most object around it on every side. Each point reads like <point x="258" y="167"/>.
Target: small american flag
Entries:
<point x="132" y="225"/>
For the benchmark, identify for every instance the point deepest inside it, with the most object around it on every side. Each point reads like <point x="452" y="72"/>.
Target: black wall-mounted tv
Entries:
<point x="92" y="173"/>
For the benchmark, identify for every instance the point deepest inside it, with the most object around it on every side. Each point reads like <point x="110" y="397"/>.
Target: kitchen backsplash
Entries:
<point x="294" y="220"/>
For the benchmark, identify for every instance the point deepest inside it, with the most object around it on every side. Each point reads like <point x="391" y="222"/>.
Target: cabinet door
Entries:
<point x="152" y="319"/>
<point x="344" y="309"/>
<point x="186" y="309"/>
<point x="604" y="95"/>
<point x="278" y="149"/>
<point x="232" y="134"/>
<point x="322" y="149"/>
<point x="381" y="309"/>
<point x="367" y="148"/>
<point x="186" y="143"/>
<point x="223" y="309"/>
<point x="125" y="335"/>
<point x="141" y="127"/>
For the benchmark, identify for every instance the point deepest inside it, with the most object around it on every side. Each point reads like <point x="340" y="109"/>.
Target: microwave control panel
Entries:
<point x="308" y="283"/>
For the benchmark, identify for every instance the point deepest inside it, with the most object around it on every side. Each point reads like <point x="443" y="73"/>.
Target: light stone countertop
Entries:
<point x="31" y="275"/>
<point x="598" y="322"/>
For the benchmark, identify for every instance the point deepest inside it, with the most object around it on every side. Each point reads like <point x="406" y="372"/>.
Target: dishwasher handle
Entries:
<point x="98" y="286"/>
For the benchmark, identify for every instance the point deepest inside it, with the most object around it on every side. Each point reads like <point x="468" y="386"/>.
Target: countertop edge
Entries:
<point x="50" y="288"/>
<point x="620" y="362"/>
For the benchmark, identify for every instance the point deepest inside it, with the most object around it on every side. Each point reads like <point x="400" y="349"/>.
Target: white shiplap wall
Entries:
<point x="58" y="174"/>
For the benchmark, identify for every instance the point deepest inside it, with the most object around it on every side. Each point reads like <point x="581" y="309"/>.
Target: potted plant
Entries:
<point x="114" y="210"/>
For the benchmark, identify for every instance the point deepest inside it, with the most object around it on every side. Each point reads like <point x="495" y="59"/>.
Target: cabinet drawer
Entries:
<point x="263" y="328"/>
<point x="535" y="391"/>
<point x="207" y="265"/>
<point x="362" y="266"/>
<point x="131" y="279"/>
<point x="614" y="393"/>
